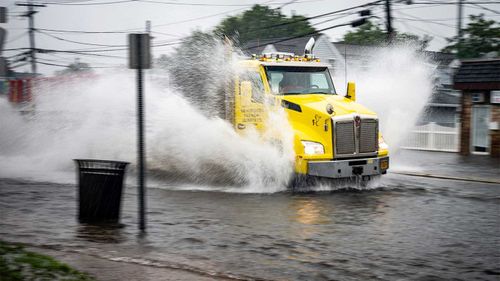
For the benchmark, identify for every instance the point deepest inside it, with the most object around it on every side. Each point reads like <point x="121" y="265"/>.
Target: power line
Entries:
<point x="124" y="48"/>
<point x="484" y="8"/>
<point x="77" y="42"/>
<point x="207" y="16"/>
<point x="17" y="55"/>
<point x="167" y="34"/>
<point x="81" y="31"/>
<point x="408" y="7"/>
<point x="427" y="21"/>
<point x="326" y="14"/>
<point x="165" y="3"/>
<point x="74" y="1"/>
<point x="89" y="4"/>
<point x="339" y="16"/>
<point x="17" y="37"/>
<point x="423" y="30"/>
<point x="78" y="53"/>
<point x="198" y="18"/>
<point x="61" y="65"/>
<point x="313" y="17"/>
<point x="414" y="18"/>
<point x="126" y="31"/>
<point x="19" y="65"/>
<point x="299" y="36"/>
<point x="92" y="51"/>
<point x="197" y="4"/>
<point x="454" y="3"/>
<point x="61" y="59"/>
<point x="286" y="4"/>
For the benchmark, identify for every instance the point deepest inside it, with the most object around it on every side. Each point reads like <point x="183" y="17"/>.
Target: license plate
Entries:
<point x="384" y="164"/>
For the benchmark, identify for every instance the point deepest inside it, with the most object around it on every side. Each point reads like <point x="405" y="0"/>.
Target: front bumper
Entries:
<point x="348" y="168"/>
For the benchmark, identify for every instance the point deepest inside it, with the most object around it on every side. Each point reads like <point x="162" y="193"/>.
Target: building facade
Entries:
<point x="479" y="82"/>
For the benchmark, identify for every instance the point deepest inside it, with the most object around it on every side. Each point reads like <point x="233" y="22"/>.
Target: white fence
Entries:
<point x="434" y="137"/>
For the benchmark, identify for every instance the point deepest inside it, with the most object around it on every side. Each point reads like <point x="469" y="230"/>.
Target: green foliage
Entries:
<point x="373" y="34"/>
<point x="250" y="25"/>
<point x="479" y="38"/>
<point x="19" y="264"/>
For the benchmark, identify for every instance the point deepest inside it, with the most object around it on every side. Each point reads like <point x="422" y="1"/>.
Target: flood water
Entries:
<point x="405" y="229"/>
<point x="402" y="228"/>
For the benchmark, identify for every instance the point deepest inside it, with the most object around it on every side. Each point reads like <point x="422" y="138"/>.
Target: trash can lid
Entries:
<point x="101" y="164"/>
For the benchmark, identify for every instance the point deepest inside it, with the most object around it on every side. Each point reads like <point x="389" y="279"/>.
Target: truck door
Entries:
<point x="249" y="102"/>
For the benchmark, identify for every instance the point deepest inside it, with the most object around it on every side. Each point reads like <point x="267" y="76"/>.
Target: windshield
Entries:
<point x="296" y="80"/>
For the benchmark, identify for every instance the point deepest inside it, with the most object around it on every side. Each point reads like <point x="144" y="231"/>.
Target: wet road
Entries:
<point x="406" y="229"/>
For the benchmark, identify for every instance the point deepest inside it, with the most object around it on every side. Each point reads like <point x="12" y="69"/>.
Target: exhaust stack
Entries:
<point x="309" y="47"/>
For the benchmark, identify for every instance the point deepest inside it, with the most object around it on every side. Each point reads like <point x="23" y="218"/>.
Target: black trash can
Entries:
<point x="100" y="185"/>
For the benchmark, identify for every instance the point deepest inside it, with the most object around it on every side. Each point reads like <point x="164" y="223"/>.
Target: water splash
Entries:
<point x="95" y="118"/>
<point x="396" y="82"/>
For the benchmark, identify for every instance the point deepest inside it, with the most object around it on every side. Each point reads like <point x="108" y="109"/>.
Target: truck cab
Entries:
<point x="334" y="137"/>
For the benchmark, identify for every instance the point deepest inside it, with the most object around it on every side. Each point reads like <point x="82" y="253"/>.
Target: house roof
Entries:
<point x="478" y="71"/>
<point x="295" y="45"/>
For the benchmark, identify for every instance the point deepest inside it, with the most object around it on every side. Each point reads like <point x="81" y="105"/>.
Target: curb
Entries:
<point x="469" y="179"/>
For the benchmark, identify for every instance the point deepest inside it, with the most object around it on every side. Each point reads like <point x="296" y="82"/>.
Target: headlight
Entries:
<point x="381" y="144"/>
<point x="313" y="148"/>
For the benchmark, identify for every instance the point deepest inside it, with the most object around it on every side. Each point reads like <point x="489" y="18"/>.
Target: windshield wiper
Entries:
<point x="321" y="92"/>
<point x="308" y="93"/>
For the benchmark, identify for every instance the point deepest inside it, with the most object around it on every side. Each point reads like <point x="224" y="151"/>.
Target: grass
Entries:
<point x="18" y="264"/>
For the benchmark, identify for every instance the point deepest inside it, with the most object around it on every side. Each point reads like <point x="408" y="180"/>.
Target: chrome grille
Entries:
<point x="345" y="137"/>
<point x="350" y="140"/>
<point x="368" y="136"/>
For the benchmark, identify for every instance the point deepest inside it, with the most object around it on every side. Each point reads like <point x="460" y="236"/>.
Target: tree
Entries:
<point x="479" y="38"/>
<point x="373" y="34"/>
<point x="252" y="25"/>
<point x="75" y="68"/>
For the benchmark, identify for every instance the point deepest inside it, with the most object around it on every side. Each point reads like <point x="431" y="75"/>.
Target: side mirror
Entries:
<point x="351" y="91"/>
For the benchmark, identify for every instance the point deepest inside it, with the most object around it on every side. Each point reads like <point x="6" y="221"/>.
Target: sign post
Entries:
<point x="3" y="34"/>
<point x="140" y="58"/>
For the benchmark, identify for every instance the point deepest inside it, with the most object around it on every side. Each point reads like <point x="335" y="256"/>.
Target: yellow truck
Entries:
<point x="334" y="137"/>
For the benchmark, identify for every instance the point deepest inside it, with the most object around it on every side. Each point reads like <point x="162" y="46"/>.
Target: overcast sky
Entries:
<point x="173" y="19"/>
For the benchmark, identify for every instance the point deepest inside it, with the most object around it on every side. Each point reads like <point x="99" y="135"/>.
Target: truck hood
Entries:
<point x="318" y="103"/>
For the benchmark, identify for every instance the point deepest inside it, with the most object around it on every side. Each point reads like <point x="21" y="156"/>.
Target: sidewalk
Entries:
<point x="482" y="168"/>
<point x="106" y="270"/>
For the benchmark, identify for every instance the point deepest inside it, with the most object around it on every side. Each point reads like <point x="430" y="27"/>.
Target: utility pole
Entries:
<point x="390" y="30"/>
<point x="459" y="20"/>
<point x="31" y="30"/>
<point x="3" y="34"/>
